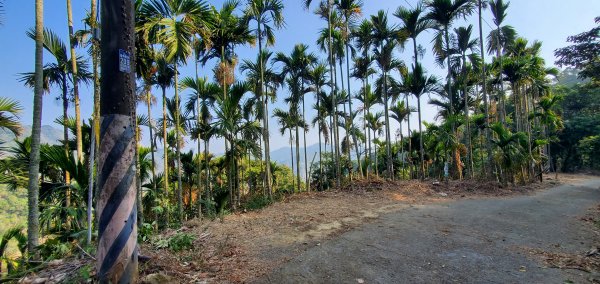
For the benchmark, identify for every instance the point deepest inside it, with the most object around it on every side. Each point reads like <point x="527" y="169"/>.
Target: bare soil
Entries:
<point x="243" y="247"/>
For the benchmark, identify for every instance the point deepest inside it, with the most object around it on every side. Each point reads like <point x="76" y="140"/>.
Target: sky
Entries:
<point x="549" y="21"/>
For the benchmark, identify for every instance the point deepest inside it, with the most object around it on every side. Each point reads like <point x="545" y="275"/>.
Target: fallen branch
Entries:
<point x="85" y="252"/>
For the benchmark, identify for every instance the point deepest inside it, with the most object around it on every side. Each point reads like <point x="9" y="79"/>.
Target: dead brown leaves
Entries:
<point x="587" y="262"/>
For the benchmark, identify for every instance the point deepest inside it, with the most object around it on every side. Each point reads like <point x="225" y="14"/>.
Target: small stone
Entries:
<point x="158" y="278"/>
<point x="55" y="262"/>
<point x="39" y="281"/>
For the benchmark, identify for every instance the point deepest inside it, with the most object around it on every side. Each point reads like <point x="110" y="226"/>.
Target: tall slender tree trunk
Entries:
<point x="331" y="139"/>
<point x="297" y="157"/>
<point x="33" y="213"/>
<point x="336" y="131"/>
<point x="346" y="141"/>
<point x="65" y="102"/>
<point x="320" y="153"/>
<point x="365" y="111"/>
<point x="72" y="40"/>
<point x="401" y="150"/>
<point x="68" y="153"/>
<point x="230" y="174"/>
<point x="456" y="157"/>
<point x="270" y="190"/>
<point x="415" y="51"/>
<point x="416" y="55"/>
<point x="333" y="83"/>
<point x="165" y="148"/>
<point x="207" y="172"/>
<point x="198" y="121"/>
<point x="90" y="193"/>
<point x="421" y="150"/>
<point x="470" y="170"/>
<point x="528" y="129"/>
<point x="320" y="132"/>
<point x="516" y="103"/>
<point x="370" y="152"/>
<point x="199" y="179"/>
<point x="151" y="130"/>
<point x="307" y="184"/>
<point x="409" y="140"/>
<point x="96" y="78"/>
<point x="235" y="168"/>
<point x="388" y="137"/>
<point x="360" y="169"/>
<point x="292" y="155"/>
<point x="449" y="78"/>
<point x="178" y="148"/>
<point x="138" y="181"/>
<point x="96" y="74"/>
<point x="376" y="156"/>
<point x="502" y="96"/>
<point x="368" y="111"/>
<point x="488" y="143"/>
<point x="116" y="206"/>
<point x="264" y="96"/>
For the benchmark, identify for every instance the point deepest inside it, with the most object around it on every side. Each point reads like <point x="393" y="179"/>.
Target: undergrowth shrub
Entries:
<point x="257" y="202"/>
<point x="176" y="243"/>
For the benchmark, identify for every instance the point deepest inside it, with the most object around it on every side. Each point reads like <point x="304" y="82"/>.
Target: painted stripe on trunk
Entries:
<point x="118" y="151"/>
<point x="106" y="122"/>
<point x="120" y="242"/>
<point x="115" y="199"/>
<point x="117" y="210"/>
<point x="130" y="269"/>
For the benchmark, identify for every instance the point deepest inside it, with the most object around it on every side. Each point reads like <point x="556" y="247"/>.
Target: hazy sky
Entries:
<point x="549" y="21"/>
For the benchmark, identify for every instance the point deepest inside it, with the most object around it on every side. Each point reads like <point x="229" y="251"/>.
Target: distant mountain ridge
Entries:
<point x="569" y="77"/>
<point x="50" y="135"/>
<point x="282" y="155"/>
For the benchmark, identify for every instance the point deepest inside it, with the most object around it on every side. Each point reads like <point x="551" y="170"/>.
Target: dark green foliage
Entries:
<point x="181" y="241"/>
<point x="580" y="110"/>
<point x="327" y="179"/>
<point x="14" y="234"/>
<point x="145" y="232"/>
<point x="55" y="249"/>
<point x="510" y="144"/>
<point x="257" y="202"/>
<point x="176" y="243"/>
<point x="589" y="148"/>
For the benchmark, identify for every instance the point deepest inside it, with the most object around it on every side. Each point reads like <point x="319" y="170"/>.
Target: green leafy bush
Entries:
<point x="258" y="202"/>
<point x="55" y="249"/>
<point x="589" y="147"/>
<point x="145" y="232"/>
<point x="181" y="241"/>
<point x="176" y="243"/>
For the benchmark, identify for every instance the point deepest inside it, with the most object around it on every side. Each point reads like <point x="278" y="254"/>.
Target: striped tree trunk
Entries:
<point x="117" y="213"/>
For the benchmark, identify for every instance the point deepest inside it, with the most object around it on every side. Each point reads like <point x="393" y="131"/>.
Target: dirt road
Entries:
<point x="465" y="241"/>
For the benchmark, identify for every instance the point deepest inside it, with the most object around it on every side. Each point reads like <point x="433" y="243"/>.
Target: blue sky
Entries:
<point x="549" y="21"/>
